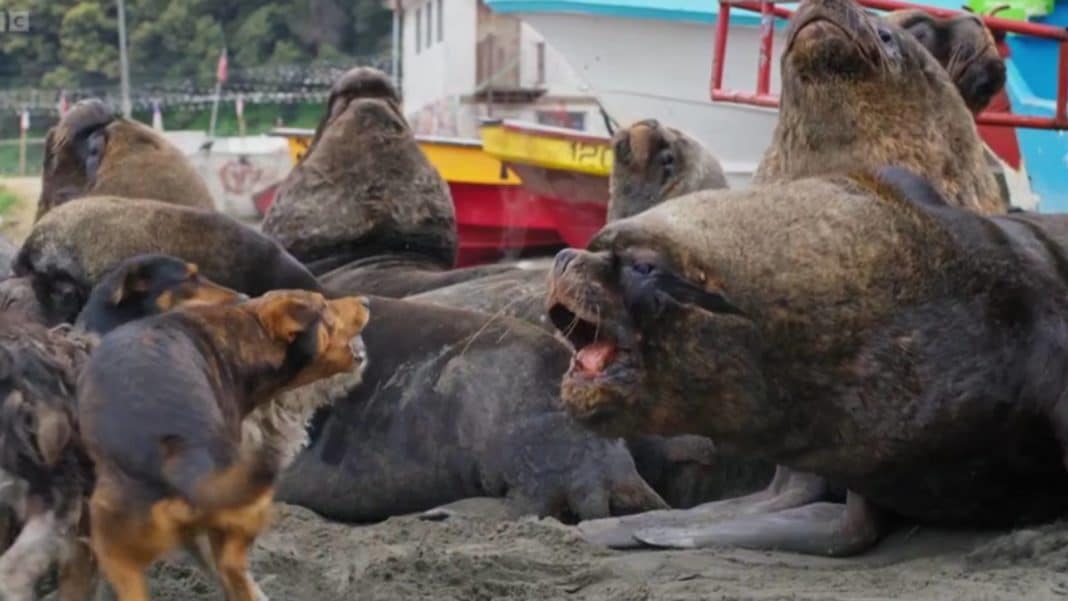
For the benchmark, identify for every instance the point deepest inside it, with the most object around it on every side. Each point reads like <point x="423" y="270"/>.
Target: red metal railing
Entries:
<point x="769" y="12"/>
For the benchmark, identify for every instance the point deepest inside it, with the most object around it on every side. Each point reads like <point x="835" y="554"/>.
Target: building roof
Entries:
<point x="700" y="11"/>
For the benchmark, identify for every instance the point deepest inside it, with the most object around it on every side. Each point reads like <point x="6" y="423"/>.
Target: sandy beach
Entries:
<point x="303" y="557"/>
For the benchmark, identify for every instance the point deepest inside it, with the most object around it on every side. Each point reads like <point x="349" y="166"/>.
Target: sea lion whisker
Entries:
<point x="473" y="337"/>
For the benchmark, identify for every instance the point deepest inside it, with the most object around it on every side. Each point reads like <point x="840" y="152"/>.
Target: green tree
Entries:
<point x="73" y="43"/>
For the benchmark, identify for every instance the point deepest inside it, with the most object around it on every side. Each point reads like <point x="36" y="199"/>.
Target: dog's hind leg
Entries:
<point x="200" y="550"/>
<point x="231" y="555"/>
<point x="29" y="557"/>
<point x="77" y="572"/>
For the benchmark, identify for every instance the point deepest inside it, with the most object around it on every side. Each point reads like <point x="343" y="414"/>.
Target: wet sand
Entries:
<point x="303" y="557"/>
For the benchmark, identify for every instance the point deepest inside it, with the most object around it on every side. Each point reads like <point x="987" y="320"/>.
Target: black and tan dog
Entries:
<point x="161" y="403"/>
<point x="147" y="285"/>
<point x="45" y="475"/>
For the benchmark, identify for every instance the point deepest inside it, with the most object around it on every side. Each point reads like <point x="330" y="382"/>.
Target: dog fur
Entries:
<point x="169" y="471"/>
<point x="45" y="475"/>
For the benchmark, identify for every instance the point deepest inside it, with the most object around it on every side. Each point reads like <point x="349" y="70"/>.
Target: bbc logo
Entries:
<point x="15" y="21"/>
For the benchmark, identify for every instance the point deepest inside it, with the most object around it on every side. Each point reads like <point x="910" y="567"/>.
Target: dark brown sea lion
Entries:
<point x="964" y="45"/>
<point x="860" y="330"/>
<point x="364" y="208"/>
<point x="93" y="152"/>
<point x="860" y="92"/>
<point x="72" y="246"/>
<point x="455" y="404"/>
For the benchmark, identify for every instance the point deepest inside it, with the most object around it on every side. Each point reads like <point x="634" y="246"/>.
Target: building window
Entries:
<point x="429" y="23"/>
<point x="418" y="30"/>
<point x="541" y="62"/>
<point x="562" y="118"/>
<point x="441" y="21"/>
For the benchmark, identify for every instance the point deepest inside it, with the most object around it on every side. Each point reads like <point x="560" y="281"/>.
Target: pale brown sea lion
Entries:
<point x="72" y="246"/>
<point x="965" y="46"/>
<point x="858" y="330"/>
<point x="364" y="209"/>
<point x="654" y="162"/>
<point x="93" y="152"/>
<point x="858" y="91"/>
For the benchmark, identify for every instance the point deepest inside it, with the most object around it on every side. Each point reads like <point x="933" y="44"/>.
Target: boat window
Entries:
<point x="418" y="30"/>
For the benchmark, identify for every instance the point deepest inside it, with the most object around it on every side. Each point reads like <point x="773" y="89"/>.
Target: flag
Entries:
<point x="24" y="121"/>
<point x="239" y="106"/>
<point x="157" y="116"/>
<point x="223" y="69"/>
<point x="63" y="105"/>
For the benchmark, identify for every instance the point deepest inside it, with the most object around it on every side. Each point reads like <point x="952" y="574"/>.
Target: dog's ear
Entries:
<point x="53" y="433"/>
<point x="286" y="316"/>
<point x="131" y="282"/>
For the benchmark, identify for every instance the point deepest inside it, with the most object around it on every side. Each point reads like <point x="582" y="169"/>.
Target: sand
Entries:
<point x="306" y="558"/>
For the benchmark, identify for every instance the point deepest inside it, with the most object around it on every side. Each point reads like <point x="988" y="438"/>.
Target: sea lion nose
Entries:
<point x="563" y="260"/>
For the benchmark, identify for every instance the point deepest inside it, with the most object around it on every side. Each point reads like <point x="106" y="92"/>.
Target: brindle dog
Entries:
<point x="168" y="455"/>
<point x="47" y="472"/>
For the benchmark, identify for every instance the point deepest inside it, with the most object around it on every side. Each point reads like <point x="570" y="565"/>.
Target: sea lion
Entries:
<point x="72" y="246"/>
<point x="860" y="92"/>
<point x="859" y="330"/>
<point x="364" y="209"/>
<point x="652" y="163"/>
<point x="583" y="469"/>
<point x="454" y="404"/>
<point x="965" y="46"/>
<point x="93" y="152"/>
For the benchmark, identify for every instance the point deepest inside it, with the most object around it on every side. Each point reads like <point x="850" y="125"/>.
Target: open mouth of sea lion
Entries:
<point x="605" y="372"/>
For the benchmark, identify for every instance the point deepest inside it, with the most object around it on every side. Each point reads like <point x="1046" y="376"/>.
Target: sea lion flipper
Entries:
<point x="831" y="529"/>
<point x="788" y="490"/>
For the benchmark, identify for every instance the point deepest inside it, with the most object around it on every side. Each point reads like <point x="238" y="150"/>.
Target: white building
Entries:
<point x="460" y="63"/>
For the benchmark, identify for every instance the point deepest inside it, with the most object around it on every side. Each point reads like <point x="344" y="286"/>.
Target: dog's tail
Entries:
<point x="195" y="475"/>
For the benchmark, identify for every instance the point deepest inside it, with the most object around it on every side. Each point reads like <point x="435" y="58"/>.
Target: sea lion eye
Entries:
<point x="667" y="162"/>
<point x="886" y="36"/>
<point x="643" y="268"/>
